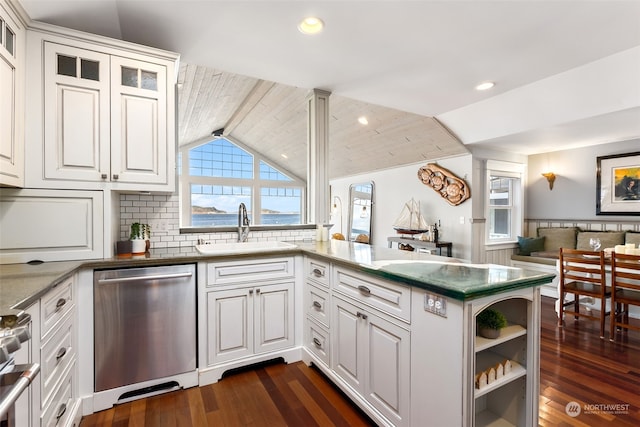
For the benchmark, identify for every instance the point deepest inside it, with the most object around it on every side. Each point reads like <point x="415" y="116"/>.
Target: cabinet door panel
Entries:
<point x="388" y="355"/>
<point x="12" y="70"/>
<point x="76" y="115"/>
<point x="139" y="137"/>
<point x="230" y="325"/>
<point x="347" y="348"/>
<point x="274" y="315"/>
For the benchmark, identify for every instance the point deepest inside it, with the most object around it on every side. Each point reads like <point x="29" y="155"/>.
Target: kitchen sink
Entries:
<point x="243" y="247"/>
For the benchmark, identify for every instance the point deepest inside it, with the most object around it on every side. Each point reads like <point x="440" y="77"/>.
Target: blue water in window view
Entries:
<point x="227" y="219"/>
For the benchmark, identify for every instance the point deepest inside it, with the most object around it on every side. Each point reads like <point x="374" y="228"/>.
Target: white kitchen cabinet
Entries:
<point x="358" y="331"/>
<point x="107" y="113"/>
<point x="372" y="354"/>
<point x="54" y="338"/>
<point x="248" y="313"/>
<point x="447" y="355"/>
<point x="12" y="71"/>
<point x="247" y="321"/>
<point x="50" y="225"/>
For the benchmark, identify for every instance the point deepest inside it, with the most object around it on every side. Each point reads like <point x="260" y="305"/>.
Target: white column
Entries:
<point x="318" y="157"/>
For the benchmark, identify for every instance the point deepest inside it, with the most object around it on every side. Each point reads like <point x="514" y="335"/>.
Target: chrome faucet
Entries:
<point x="243" y="223"/>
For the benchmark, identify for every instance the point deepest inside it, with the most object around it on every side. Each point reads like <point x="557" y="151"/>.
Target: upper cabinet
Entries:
<point x="12" y="63"/>
<point x="107" y="114"/>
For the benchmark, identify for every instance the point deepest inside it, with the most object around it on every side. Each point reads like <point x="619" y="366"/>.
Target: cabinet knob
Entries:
<point x="250" y="291"/>
<point x="104" y="176"/>
<point x="115" y="176"/>
<point x="361" y="315"/>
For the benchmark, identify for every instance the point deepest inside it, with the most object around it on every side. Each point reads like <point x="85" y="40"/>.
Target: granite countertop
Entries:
<point x="22" y="284"/>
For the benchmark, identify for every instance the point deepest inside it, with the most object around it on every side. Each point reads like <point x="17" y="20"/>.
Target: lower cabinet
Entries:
<point x="244" y="321"/>
<point x="371" y="354"/>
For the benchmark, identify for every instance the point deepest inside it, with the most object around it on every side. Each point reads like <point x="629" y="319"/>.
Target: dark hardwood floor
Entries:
<point x="576" y="366"/>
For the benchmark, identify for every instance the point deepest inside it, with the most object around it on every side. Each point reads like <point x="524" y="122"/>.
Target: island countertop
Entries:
<point x="22" y="284"/>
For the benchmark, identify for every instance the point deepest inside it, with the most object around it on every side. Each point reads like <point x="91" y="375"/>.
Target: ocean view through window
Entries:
<point x="222" y="174"/>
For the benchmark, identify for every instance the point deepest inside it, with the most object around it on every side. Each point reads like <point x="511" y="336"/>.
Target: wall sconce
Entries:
<point x="551" y="177"/>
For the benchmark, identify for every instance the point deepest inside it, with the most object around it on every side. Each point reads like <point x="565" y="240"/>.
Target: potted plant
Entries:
<point x="489" y="322"/>
<point x="140" y="235"/>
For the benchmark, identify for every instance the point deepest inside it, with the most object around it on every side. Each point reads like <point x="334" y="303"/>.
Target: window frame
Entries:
<point x="515" y="173"/>
<point x="256" y="184"/>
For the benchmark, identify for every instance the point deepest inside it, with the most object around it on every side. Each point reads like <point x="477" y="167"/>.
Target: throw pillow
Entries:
<point x="631" y="237"/>
<point x="558" y="237"/>
<point x="530" y="244"/>
<point x="608" y="239"/>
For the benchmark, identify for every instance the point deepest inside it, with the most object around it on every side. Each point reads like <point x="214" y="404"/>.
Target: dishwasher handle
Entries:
<point x="145" y="277"/>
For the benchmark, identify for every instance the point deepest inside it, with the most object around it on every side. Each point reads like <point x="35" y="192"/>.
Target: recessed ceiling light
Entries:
<point x="363" y="120"/>
<point x="485" y="85"/>
<point x="311" y="25"/>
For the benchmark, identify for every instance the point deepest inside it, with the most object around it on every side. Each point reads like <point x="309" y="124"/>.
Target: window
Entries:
<point x="504" y="202"/>
<point x="222" y="175"/>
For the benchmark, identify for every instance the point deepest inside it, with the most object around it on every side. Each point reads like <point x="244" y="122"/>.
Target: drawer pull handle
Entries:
<point x="366" y="291"/>
<point x="362" y="316"/>
<point x="61" y="353"/>
<point x="61" y="302"/>
<point x="317" y="343"/>
<point x="318" y="273"/>
<point x="61" y="410"/>
<point x="317" y="305"/>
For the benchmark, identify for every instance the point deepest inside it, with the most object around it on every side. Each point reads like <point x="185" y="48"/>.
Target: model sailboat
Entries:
<point x="410" y="220"/>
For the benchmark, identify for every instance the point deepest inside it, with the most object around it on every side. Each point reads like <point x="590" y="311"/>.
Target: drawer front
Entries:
<point x="390" y="298"/>
<point x="59" y="410"/>
<point x="247" y="271"/>
<point x="316" y="301"/>
<point x="317" y="341"/>
<point x="316" y="270"/>
<point x="55" y="305"/>
<point x="57" y="353"/>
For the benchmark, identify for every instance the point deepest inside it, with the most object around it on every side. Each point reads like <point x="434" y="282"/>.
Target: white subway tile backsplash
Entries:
<point x="165" y="208"/>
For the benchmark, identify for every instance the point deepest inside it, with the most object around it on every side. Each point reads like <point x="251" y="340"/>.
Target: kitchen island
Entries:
<point x="409" y="318"/>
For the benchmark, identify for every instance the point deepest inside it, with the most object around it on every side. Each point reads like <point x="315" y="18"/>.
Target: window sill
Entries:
<point x="201" y="230"/>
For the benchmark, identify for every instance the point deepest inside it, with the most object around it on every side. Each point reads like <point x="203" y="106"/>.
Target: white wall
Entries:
<point x="574" y="192"/>
<point x="393" y="187"/>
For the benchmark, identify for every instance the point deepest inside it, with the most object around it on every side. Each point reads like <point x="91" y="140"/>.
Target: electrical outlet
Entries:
<point x="158" y="225"/>
<point x="462" y="220"/>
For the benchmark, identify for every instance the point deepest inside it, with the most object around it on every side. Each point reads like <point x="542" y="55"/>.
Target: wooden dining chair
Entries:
<point x="582" y="273"/>
<point x="625" y="290"/>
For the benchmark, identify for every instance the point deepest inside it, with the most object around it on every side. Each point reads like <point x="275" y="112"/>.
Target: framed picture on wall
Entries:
<point x="618" y="184"/>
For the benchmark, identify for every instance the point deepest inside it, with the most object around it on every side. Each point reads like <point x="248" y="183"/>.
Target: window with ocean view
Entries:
<point x="222" y="175"/>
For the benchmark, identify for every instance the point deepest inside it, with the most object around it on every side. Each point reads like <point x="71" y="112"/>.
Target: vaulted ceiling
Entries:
<point x="271" y="119"/>
<point x="566" y="72"/>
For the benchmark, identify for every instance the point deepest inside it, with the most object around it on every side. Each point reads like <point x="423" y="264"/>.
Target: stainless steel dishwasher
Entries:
<point x="144" y="331"/>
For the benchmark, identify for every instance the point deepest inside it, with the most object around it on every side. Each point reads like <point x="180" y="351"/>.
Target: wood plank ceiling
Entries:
<point x="270" y="118"/>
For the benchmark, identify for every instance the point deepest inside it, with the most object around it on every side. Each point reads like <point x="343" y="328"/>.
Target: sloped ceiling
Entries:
<point x="271" y="119"/>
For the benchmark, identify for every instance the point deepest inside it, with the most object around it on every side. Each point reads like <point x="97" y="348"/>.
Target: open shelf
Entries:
<point x="485" y="361"/>
<point x="489" y="419"/>
<point x="506" y="334"/>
